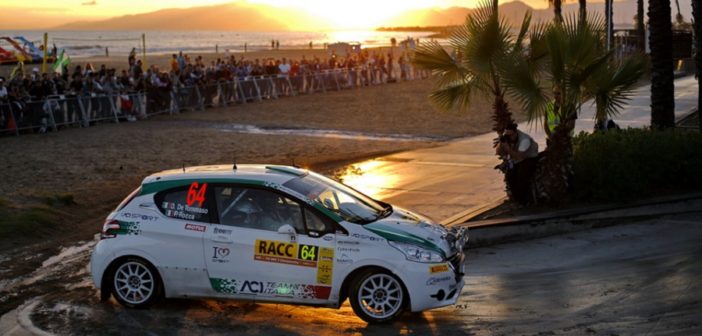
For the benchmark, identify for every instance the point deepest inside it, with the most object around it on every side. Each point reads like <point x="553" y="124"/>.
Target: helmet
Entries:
<point x="247" y="206"/>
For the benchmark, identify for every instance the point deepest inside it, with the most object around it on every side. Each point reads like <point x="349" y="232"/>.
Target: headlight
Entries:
<point x="416" y="253"/>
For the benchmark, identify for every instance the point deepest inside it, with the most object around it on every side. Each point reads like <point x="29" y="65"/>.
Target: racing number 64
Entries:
<point x="307" y="252"/>
<point x="196" y="194"/>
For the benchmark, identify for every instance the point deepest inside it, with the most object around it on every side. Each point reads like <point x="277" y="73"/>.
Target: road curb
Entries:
<point x="495" y="231"/>
<point x="472" y="212"/>
<point x="18" y="321"/>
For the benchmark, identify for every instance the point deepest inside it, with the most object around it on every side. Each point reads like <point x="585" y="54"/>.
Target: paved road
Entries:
<point x="639" y="279"/>
<point x="634" y="279"/>
<point x="444" y="181"/>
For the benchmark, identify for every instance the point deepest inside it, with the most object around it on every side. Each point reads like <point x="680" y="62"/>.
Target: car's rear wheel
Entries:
<point x="135" y="283"/>
<point x="377" y="296"/>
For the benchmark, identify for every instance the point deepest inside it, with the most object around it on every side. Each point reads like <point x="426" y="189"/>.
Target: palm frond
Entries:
<point x="432" y="56"/>
<point x="455" y="95"/>
<point x="523" y="30"/>
<point x="612" y="86"/>
<point x="525" y="87"/>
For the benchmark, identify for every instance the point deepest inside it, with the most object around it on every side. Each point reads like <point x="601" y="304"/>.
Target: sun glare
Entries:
<point x="353" y="17"/>
<point x="359" y="14"/>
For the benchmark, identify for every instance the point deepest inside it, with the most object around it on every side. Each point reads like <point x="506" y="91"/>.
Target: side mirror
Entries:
<point x="287" y="229"/>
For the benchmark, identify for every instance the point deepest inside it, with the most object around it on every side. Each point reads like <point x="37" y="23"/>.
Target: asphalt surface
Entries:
<point x="632" y="279"/>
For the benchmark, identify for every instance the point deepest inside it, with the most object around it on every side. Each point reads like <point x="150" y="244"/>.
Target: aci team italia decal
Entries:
<point x="270" y="288"/>
<point x="299" y="255"/>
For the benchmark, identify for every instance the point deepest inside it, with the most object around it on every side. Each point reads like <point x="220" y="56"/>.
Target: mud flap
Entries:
<point x="105" y="294"/>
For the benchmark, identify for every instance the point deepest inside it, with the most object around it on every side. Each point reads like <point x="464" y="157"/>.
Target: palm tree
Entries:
<point x="571" y="58"/>
<point x="609" y="13"/>
<point x="697" y="17"/>
<point x="481" y="45"/>
<point x="557" y="13"/>
<point x="583" y="9"/>
<point x="640" y="30"/>
<point x="557" y="9"/>
<point x="661" y="35"/>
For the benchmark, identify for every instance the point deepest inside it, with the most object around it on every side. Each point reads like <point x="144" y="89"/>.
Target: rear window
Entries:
<point x="187" y="203"/>
<point x="128" y="199"/>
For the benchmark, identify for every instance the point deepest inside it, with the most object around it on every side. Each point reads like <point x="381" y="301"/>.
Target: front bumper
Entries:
<point x="434" y="285"/>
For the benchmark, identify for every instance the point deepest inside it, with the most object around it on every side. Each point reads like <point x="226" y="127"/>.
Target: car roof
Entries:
<point x="251" y="172"/>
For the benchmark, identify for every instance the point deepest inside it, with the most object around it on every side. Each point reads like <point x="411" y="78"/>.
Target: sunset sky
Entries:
<point x="39" y="14"/>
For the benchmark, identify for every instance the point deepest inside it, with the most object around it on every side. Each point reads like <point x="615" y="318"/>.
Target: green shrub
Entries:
<point x="636" y="163"/>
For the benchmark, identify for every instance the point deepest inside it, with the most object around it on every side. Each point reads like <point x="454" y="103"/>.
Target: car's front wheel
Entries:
<point x="377" y="296"/>
<point x="135" y="283"/>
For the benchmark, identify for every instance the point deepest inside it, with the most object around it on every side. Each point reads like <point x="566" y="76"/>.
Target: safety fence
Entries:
<point x="60" y="111"/>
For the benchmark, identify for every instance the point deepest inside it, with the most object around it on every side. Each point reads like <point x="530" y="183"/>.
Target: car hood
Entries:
<point x="408" y="227"/>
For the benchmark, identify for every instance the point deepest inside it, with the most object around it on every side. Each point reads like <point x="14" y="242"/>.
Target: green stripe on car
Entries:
<point x="401" y="236"/>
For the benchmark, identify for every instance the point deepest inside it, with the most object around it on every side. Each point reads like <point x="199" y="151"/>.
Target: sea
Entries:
<point x="94" y="43"/>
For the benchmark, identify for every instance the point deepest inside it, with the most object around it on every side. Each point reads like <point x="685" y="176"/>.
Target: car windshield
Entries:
<point x="349" y="204"/>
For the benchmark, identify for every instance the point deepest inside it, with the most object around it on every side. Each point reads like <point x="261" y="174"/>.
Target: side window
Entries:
<point x="257" y="209"/>
<point x="317" y="224"/>
<point x="175" y="203"/>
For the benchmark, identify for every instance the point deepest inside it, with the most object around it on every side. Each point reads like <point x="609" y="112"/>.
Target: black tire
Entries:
<point x="377" y="296"/>
<point x="135" y="283"/>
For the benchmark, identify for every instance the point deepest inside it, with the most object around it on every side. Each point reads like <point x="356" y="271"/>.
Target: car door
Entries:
<point x="268" y="246"/>
<point x="175" y="243"/>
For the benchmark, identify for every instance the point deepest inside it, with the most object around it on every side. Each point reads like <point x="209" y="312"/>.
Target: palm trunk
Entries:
<point x="662" y="87"/>
<point x="502" y="117"/>
<point x="640" y="28"/>
<point x="697" y="15"/>
<point x="555" y="168"/>
<point x="583" y="10"/>
<point x="557" y="10"/>
<point x="609" y="20"/>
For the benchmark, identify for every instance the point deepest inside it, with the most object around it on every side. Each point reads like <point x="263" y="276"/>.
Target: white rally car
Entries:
<point x="277" y="234"/>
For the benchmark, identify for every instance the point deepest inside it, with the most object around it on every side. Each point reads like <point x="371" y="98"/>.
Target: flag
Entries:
<point x="20" y="57"/>
<point x="61" y="62"/>
<point x="18" y="70"/>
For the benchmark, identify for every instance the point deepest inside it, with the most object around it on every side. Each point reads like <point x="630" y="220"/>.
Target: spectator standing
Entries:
<point x="174" y="63"/>
<point x="181" y="61"/>
<point x="520" y="152"/>
<point x="3" y="89"/>
<point x="284" y="67"/>
<point x="132" y="57"/>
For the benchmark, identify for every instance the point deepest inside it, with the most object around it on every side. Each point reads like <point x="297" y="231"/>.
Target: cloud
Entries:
<point x="89" y="3"/>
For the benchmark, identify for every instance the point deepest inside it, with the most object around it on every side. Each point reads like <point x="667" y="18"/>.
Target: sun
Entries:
<point x="349" y="15"/>
<point x="353" y="15"/>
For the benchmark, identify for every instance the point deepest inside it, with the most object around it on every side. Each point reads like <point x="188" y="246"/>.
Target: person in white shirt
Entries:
<point x="520" y="152"/>
<point x="284" y="67"/>
<point x="3" y="89"/>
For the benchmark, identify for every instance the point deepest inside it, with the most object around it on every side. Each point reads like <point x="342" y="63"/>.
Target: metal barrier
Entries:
<point x="60" y="111"/>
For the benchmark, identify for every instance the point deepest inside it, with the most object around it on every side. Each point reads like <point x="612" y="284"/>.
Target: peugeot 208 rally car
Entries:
<point x="277" y="234"/>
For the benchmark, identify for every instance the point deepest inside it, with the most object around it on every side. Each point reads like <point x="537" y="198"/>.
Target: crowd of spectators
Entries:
<point x="184" y="73"/>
